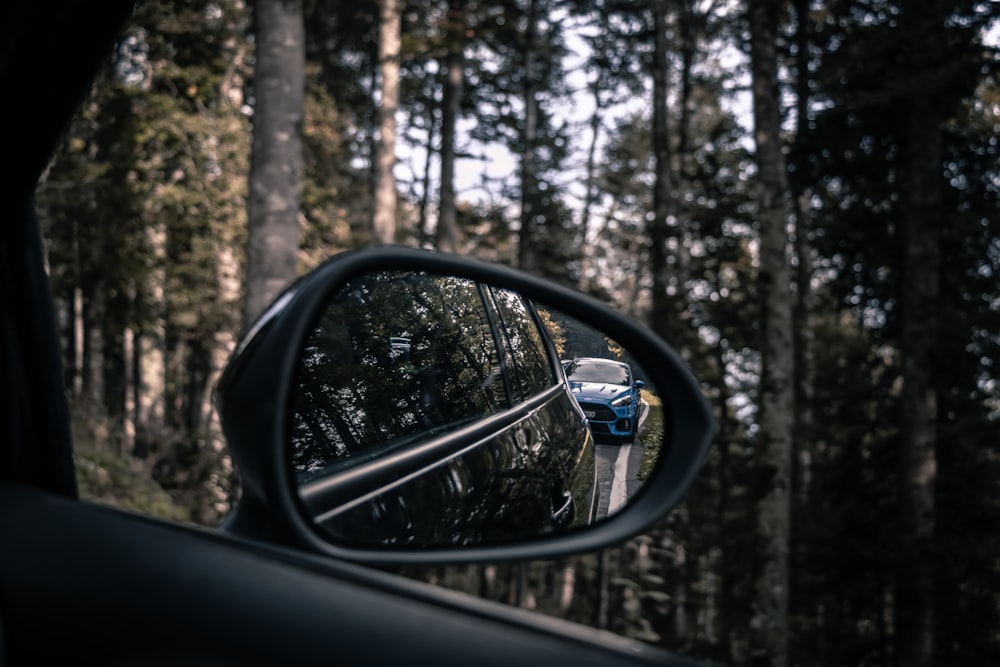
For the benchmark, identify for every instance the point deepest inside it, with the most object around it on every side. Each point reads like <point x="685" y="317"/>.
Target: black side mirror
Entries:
<point x="401" y="406"/>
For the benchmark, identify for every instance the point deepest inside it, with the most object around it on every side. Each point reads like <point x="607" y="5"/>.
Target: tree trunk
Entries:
<point x="661" y="316"/>
<point x="223" y="343"/>
<point x="800" y="191"/>
<point x="383" y="229"/>
<point x="131" y="386"/>
<point x="682" y="583"/>
<point x="93" y="347"/>
<point x="527" y="253"/>
<point x="424" y="234"/>
<point x="776" y="400"/>
<point x="724" y="622"/>
<point x="454" y="68"/>
<point x="590" y="179"/>
<point x="567" y="589"/>
<point x="920" y="222"/>
<point x="688" y="29"/>
<point x="276" y="160"/>
<point x="151" y="365"/>
<point x="78" y="344"/>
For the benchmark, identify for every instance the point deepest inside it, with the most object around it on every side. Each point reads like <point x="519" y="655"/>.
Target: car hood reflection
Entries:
<point x="601" y="390"/>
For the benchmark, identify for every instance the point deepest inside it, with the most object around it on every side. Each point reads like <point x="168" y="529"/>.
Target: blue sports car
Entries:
<point x="608" y="395"/>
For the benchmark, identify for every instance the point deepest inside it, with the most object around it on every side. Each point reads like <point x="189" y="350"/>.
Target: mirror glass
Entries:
<point x="432" y="410"/>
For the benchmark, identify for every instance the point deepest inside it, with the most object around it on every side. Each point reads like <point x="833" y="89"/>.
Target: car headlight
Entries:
<point x="622" y="401"/>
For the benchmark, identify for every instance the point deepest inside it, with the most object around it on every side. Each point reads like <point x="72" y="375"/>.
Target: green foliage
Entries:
<point x="335" y="198"/>
<point x="143" y="242"/>
<point x="652" y="434"/>
<point x="105" y="476"/>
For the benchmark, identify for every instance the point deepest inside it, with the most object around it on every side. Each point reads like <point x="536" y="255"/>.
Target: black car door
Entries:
<point x="556" y="429"/>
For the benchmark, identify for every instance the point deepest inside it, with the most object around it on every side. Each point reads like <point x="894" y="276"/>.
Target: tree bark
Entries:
<point x="276" y="159"/>
<point x="603" y="590"/>
<point x="658" y="228"/>
<point x="590" y="198"/>
<point x="800" y="194"/>
<point x="383" y="230"/>
<point x="804" y="267"/>
<point x="920" y="222"/>
<point x="527" y="254"/>
<point x="454" y="66"/>
<point x="776" y="400"/>
<point x="151" y="349"/>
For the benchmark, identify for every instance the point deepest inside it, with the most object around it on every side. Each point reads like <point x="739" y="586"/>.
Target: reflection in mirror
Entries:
<point x="432" y="410"/>
<point x="623" y="411"/>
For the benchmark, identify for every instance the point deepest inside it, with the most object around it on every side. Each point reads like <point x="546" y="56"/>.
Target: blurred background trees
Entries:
<point x="610" y="146"/>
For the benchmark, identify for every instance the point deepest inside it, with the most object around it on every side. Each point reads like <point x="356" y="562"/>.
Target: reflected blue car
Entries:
<point x="608" y="394"/>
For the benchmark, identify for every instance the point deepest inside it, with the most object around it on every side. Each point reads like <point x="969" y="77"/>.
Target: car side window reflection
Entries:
<point x="396" y="358"/>
<point x="528" y="359"/>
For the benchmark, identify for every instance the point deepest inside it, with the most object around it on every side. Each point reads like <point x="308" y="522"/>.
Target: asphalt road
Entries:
<point x="618" y="469"/>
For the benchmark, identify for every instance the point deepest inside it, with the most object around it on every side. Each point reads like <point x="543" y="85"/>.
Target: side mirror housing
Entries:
<point x="399" y="406"/>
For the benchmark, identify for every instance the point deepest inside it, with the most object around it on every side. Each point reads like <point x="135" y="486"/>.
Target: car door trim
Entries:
<point x="330" y="496"/>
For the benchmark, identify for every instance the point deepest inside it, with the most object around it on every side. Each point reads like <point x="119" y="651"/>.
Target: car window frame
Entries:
<point x="519" y="382"/>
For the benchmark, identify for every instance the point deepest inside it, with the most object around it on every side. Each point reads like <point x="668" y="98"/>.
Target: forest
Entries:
<point x="801" y="197"/>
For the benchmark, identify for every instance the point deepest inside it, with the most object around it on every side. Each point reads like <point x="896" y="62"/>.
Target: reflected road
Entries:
<point x="618" y="469"/>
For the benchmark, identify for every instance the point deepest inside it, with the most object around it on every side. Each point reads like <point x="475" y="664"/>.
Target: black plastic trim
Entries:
<point x="126" y="589"/>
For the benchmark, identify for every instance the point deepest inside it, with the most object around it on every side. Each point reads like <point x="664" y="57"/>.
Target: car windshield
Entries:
<point x="609" y="372"/>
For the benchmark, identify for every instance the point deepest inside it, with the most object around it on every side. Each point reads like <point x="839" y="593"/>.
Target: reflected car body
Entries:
<point x="465" y="434"/>
<point x="609" y="396"/>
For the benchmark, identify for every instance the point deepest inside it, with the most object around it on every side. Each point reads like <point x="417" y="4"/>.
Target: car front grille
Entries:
<point x="598" y="412"/>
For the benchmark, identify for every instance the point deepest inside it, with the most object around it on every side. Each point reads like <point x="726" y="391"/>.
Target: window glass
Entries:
<point x="597" y="370"/>
<point x="527" y="353"/>
<point x="396" y="358"/>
